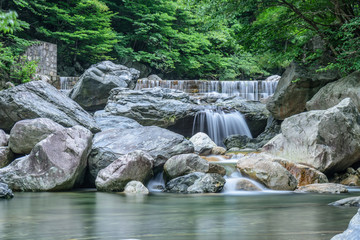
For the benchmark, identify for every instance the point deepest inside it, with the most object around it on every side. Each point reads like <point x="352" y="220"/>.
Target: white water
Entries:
<point x="157" y="183"/>
<point x="249" y="90"/>
<point x="219" y="124"/>
<point x="66" y="83"/>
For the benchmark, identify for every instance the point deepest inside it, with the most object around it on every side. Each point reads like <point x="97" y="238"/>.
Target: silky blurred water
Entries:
<point x="94" y="215"/>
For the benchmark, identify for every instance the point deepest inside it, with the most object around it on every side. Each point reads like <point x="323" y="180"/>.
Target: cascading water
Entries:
<point x="219" y="124"/>
<point x="64" y="83"/>
<point x="157" y="183"/>
<point x="249" y="90"/>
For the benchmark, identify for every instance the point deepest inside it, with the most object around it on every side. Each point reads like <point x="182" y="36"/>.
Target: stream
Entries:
<point x="86" y="214"/>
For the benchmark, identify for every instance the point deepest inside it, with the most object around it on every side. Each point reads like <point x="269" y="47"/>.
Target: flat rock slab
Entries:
<point x="38" y="99"/>
<point x="160" y="143"/>
<point x="347" y="202"/>
<point x="331" y="188"/>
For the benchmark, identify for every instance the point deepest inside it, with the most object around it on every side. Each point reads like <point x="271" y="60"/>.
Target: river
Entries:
<point x="87" y="214"/>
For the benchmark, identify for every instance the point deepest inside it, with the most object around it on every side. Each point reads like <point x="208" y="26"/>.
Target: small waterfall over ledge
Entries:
<point x="219" y="124"/>
<point x="249" y="90"/>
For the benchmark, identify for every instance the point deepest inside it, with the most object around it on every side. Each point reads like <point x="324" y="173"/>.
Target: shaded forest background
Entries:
<point x="183" y="39"/>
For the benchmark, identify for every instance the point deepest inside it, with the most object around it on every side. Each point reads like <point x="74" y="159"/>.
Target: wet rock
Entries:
<point x="154" y="77"/>
<point x="56" y="163"/>
<point x="94" y="86"/>
<point x="297" y="86"/>
<point x="5" y="191"/>
<point x="349" y="178"/>
<point x="27" y="133"/>
<point x="333" y="93"/>
<point x="353" y="230"/>
<point x="332" y="188"/>
<point x="215" y="168"/>
<point x="135" y="187"/>
<point x="160" y="143"/>
<point x="6" y="156"/>
<point x="218" y="150"/>
<point x="347" y="202"/>
<point x="107" y="121"/>
<point x="325" y="139"/>
<point x="156" y="106"/>
<point x="246" y="185"/>
<point x="203" y="144"/>
<point x="196" y="183"/>
<point x="270" y="173"/>
<point x="304" y="174"/>
<point x="38" y="99"/>
<point x="3" y="138"/>
<point x="136" y="166"/>
<point x="183" y="164"/>
<point x="236" y="141"/>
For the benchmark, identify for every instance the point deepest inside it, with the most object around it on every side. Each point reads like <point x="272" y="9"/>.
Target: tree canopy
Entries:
<point x="202" y="39"/>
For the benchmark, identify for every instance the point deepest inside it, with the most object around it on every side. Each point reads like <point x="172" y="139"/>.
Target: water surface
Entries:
<point x="95" y="215"/>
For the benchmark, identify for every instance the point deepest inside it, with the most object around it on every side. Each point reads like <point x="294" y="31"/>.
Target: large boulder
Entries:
<point x="333" y="93"/>
<point x="270" y="173"/>
<point x="196" y="183"/>
<point x="6" y="156"/>
<point x="325" y="139"/>
<point x="157" y="106"/>
<point x="331" y="188"/>
<point x="203" y="144"/>
<point x="5" y="191"/>
<point x="94" y="86"/>
<point x="160" y="143"/>
<point x="27" y="133"/>
<point x="56" y="163"/>
<point x="3" y="138"/>
<point x="297" y="85"/>
<point x="304" y="174"/>
<point x="136" y="166"/>
<point x="38" y="99"/>
<point x="353" y="230"/>
<point x="184" y="164"/>
<point x="106" y="121"/>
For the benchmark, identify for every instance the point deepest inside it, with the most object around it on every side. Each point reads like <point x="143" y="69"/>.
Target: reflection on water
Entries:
<point x="93" y="215"/>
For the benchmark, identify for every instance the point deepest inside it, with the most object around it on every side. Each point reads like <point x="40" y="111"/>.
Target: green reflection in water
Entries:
<point x="93" y="215"/>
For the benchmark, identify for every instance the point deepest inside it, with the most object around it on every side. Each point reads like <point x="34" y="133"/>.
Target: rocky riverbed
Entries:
<point x="50" y="141"/>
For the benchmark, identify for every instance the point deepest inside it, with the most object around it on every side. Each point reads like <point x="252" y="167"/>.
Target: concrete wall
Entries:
<point x="46" y="55"/>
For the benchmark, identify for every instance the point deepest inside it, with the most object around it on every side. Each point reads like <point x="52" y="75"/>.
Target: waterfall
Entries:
<point x="219" y="124"/>
<point x="67" y="83"/>
<point x="249" y="90"/>
<point x="157" y="183"/>
<point x="64" y="83"/>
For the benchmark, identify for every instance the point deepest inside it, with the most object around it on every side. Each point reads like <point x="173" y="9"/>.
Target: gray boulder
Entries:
<point x="333" y="93"/>
<point x="325" y="139"/>
<point x="353" y="230"/>
<point x="347" y="202"/>
<point x="297" y="86"/>
<point x="56" y="163"/>
<point x="6" y="156"/>
<point x="5" y="191"/>
<point x="156" y="106"/>
<point x="183" y="164"/>
<point x="94" y="86"/>
<point x="160" y="143"/>
<point x="136" y="187"/>
<point x="196" y="183"/>
<point x="39" y="99"/>
<point x="136" y="166"/>
<point x="107" y="121"/>
<point x="3" y="138"/>
<point x="203" y="144"/>
<point x="331" y="188"/>
<point x="27" y="133"/>
<point x="270" y="173"/>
